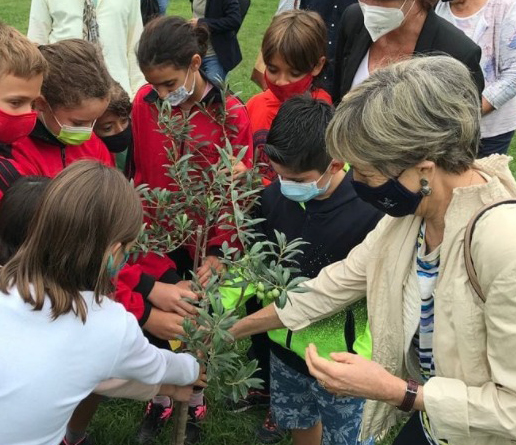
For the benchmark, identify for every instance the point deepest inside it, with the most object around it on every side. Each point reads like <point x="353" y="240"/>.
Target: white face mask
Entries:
<point x="380" y="20"/>
<point x="181" y="94"/>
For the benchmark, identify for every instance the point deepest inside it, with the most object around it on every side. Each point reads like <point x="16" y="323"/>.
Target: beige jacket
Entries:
<point x="472" y="400"/>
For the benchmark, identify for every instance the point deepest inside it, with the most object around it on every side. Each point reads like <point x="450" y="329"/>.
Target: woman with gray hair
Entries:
<point x="411" y="132"/>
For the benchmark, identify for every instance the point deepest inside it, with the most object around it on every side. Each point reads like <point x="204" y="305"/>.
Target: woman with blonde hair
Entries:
<point x="439" y="347"/>
<point x="60" y="336"/>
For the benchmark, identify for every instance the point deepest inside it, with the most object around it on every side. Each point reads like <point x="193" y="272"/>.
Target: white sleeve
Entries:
<point x="138" y="360"/>
<point x="40" y="22"/>
<point x="127" y="389"/>
<point x="134" y="32"/>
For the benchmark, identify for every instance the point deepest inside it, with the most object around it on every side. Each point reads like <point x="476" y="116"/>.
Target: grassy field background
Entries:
<point x="117" y="421"/>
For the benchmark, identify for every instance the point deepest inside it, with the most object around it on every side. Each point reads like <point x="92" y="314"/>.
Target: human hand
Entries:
<point x="177" y="393"/>
<point x="170" y="298"/>
<point x="205" y="271"/>
<point x="193" y="21"/>
<point x="164" y="325"/>
<point x="355" y="376"/>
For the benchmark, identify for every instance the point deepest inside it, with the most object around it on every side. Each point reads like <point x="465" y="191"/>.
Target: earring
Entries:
<point x="426" y="190"/>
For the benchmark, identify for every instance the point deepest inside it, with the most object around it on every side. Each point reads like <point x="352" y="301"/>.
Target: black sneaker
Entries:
<point x="270" y="432"/>
<point x="254" y="399"/>
<point x="193" y="426"/>
<point x="84" y="441"/>
<point x="156" y="416"/>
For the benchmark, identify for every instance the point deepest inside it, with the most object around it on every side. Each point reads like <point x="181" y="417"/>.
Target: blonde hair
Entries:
<point x="18" y="55"/>
<point x="85" y="211"/>
<point x="426" y="108"/>
<point x="298" y="37"/>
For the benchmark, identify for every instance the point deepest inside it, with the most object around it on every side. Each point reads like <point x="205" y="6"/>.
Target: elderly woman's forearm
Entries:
<point x="264" y="320"/>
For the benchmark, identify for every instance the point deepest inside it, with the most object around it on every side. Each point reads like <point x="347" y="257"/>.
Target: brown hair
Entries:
<point x="119" y="102"/>
<point x="85" y="211"/>
<point x="76" y="72"/>
<point x="171" y="41"/>
<point x="18" y="55"/>
<point x="299" y="37"/>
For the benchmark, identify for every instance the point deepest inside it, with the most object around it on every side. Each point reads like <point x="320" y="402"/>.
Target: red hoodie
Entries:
<point x="42" y="154"/>
<point x="150" y="143"/>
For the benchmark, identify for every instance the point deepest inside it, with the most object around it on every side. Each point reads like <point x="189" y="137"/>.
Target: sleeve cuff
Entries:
<point x="146" y="312"/>
<point x="290" y="318"/>
<point x="446" y="403"/>
<point x="144" y="287"/>
<point x="215" y="251"/>
<point x="170" y="277"/>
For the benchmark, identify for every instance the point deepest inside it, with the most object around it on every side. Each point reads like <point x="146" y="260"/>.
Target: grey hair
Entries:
<point x="425" y="108"/>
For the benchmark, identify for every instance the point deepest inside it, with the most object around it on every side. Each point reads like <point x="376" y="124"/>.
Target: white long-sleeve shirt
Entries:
<point x="47" y="367"/>
<point x="120" y="27"/>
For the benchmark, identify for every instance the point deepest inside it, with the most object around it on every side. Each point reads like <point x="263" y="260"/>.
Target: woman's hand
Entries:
<point x="355" y="376"/>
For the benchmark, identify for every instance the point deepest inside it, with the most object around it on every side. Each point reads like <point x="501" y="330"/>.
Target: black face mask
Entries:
<point x="392" y="197"/>
<point x="117" y="143"/>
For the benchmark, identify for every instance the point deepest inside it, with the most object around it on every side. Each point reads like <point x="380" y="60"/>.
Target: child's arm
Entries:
<point x="40" y="22"/>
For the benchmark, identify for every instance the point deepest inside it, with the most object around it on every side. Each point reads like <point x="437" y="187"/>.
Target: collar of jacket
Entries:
<point x="213" y="96"/>
<point x="43" y="134"/>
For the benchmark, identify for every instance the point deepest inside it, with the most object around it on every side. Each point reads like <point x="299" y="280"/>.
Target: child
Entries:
<point x="170" y="54"/>
<point x="22" y="68"/>
<point x="74" y="94"/>
<point x="53" y="293"/>
<point x="114" y="128"/>
<point x="313" y="200"/>
<point x="294" y="50"/>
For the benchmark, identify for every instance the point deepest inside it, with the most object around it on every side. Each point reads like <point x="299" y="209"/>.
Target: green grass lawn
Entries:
<point x="116" y="421"/>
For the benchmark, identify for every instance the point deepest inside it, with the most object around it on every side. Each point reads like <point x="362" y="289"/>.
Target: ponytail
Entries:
<point x="171" y="41"/>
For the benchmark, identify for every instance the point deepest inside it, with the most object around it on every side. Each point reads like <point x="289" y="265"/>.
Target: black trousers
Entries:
<point x="412" y="433"/>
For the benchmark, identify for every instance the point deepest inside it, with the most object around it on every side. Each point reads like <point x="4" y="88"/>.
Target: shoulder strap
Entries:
<point x="470" y="267"/>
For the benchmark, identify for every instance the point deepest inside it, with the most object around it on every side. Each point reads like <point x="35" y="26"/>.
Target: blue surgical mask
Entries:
<point x="303" y="191"/>
<point x="113" y="270"/>
<point x="180" y="95"/>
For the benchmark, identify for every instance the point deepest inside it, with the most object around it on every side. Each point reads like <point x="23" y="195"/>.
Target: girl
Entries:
<point x="53" y="293"/>
<point x="294" y="53"/>
<point x="170" y="55"/>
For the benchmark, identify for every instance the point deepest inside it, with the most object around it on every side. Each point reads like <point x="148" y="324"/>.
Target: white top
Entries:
<point x="120" y="27"/>
<point x="493" y="28"/>
<point x="47" y="367"/>
<point x="362" y="71"/>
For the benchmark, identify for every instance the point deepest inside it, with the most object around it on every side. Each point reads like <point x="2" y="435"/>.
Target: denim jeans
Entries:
<point x="163" y="6"/>
<point x="213" y="69"/>
<point x="496" y="144"/>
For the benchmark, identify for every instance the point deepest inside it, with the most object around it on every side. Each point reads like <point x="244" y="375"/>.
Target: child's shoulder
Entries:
<point x="142" y="94"/>
<point x="321" y="94"/>
<point x="264" y="98"/>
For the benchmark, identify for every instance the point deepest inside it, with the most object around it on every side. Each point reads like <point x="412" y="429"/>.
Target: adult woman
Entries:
<point x="492" y="25"/>
<point x="375" y="33"/>
<point x="429" y="182"/>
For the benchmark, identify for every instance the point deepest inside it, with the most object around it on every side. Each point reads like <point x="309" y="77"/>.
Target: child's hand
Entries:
<point x="164" y="325"/>
<point x="178" y="393"/>
<point x="170" y="298"/>
<point x="202" y="381"/>
<point x="205" y="271"/>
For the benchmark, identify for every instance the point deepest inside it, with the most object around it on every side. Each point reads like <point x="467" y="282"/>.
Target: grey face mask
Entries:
<point x="181" y="94"/>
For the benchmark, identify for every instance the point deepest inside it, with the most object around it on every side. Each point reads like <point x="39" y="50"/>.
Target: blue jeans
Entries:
<point x="213" y="69"/>
<point x="497" y="144"/>
<point x="163" y="6"/>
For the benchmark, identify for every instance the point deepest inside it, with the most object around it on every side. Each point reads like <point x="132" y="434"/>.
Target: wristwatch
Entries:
<point x="410" y="396"/>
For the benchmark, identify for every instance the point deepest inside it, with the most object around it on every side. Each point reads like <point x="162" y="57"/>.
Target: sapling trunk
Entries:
<point x="181" y="408"/>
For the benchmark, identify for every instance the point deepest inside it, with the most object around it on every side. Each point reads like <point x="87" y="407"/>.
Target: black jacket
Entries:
<point x="332" y="226"/>
<point x="223" y="19"/>
<point x="437" y="36"/>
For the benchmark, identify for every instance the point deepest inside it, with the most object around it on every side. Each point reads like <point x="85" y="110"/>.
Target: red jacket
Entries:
<point x="262" y="109"/>
<point x="149" y="145"/>
<point x="42" y="154"/>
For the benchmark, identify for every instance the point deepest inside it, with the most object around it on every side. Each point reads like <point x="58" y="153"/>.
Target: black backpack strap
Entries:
<point x="349" y="331"/>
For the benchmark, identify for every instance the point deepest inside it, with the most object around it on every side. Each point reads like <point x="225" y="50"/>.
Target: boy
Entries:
<point x="313" y="200"/>
<point x="22" y="68"/>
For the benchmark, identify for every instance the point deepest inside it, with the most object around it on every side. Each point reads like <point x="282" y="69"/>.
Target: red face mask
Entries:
<point x="15" y="127"/>
<point x="285" y="92"/>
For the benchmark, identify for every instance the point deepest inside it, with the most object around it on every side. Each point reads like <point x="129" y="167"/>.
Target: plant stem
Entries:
<point x="180" y="420"/>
